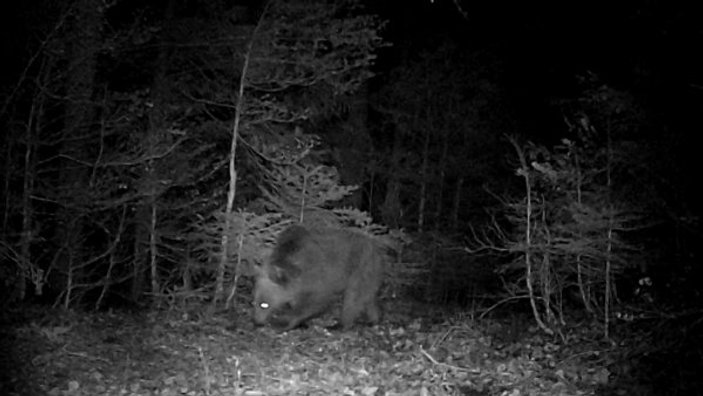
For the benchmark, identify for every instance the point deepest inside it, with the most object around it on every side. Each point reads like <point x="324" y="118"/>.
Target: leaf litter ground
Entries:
<point x="170" y="353"/>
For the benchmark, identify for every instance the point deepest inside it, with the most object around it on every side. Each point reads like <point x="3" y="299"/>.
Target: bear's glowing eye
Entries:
<point x="264" y="305"/>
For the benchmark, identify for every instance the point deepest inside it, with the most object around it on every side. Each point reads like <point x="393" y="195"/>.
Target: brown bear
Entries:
<point x="310" y="268"/>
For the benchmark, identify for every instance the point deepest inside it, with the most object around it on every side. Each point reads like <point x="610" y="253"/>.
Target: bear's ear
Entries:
<point x="253" y="269"/>
<point x="282" y="275"/>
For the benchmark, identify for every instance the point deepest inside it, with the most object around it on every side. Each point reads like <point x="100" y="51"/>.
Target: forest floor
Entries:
<point x="50" y="352"/>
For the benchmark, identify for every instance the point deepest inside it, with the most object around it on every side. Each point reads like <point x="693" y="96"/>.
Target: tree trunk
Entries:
<point x="139" y="262"/>
<point x="424" y="181"/>
<point x="7" y="140"/>
<point x="353" y="145"/>
<point x="391" y="210"/>
<point x="442" y="166"/>
<point x="457" y="203"/>
<point x="83" y="45"/>
<point x="149" y="205"/>
<point x="27" y="210"/>
<point x="232" y="187"/>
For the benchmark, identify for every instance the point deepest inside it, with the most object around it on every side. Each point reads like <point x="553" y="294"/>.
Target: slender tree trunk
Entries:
<point x="232" y="188"/>
<point x="457" y="203"/>
<point x="391" y="210"/>
<point x="611" y="221"/>
<point x="149" y="206"/>
<point x="428" y="128"/>
<point x="27" y="212"/>
<point x="107" y="279"/>
<point x="153" y="252"/>
<point x="583" y="286"/>
<point x="139" y="263"/>
<point x="84" y="43"/>
<point x="442" y="166"/>
<point x="353" y="145"/>
<point x="371" y="190"/>
<point x="424" y="181"/>
<point x="7" y="142"/>
<point x="524" y="171"/>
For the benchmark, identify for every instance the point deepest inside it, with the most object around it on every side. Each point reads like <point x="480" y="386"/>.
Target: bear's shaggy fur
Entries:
<point x="310" y="268"/>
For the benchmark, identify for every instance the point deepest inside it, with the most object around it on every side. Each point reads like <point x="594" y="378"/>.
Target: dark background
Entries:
<point x="475" y="74"/>
<point x="527" y="66"/>
<point x="527" y="62"/>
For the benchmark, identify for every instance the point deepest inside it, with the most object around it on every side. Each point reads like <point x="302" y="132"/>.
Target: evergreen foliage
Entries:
<point x="123" y="193"/>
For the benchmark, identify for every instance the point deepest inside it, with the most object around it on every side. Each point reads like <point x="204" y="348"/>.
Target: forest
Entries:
<point x="429" y="197"/>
